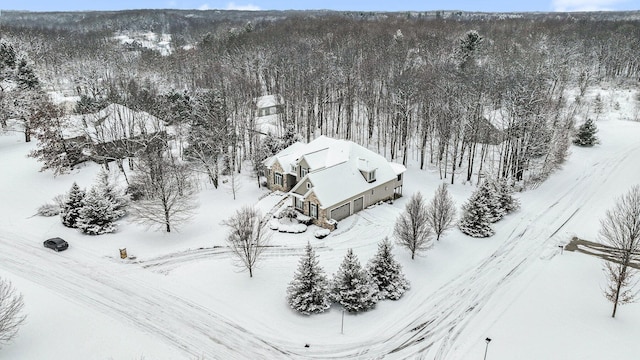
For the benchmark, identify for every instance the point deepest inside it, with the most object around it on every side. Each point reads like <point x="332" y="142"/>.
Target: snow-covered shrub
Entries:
<point x="304" y="219"/>
<point x="49" y="210"/>
<point x="352" y="286"/>
<point x="586" y="135"/>
<point x="308" y="292"/>
<point x="386" y="273"/>
<point x="288" y="213"/>
<point x="322" y="233"/>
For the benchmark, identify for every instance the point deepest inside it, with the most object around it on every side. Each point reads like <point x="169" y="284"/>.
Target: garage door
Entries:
<point x="357" y="204"/>
<point x="340" y="213"/>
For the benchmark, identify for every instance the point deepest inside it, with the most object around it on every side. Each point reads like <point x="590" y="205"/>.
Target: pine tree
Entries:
<point x="97" y="214"/>
<point x="71" y="206"/>
<point x="504" y="192"/>
<point x="110" y="192"/>
<point x="308" y="292"/>
<point x="476" y="216"/>
<point x="352" y="285"/>
<point x="488" y="192"/>
<point x="386" y="273"/>
<point x="586" y="135"/>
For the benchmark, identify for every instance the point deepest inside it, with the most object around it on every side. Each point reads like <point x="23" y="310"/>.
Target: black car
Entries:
<point x="56" y="244"/>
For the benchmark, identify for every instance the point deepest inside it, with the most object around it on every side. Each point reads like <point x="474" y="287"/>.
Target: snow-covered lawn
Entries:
<point x="182" y="298"/>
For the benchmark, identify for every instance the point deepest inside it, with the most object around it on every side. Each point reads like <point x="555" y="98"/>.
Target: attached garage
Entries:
<point x="357" y="204"/>
<point x="341" y="212"/>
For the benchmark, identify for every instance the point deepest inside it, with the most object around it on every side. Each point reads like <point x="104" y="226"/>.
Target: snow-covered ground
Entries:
<point x="182" y="298"/>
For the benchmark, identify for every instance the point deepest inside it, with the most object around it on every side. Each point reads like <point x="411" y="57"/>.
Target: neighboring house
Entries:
<point x="268" y="119"/>
<point x="115" y="132"/>
<point x="329" y="179"/>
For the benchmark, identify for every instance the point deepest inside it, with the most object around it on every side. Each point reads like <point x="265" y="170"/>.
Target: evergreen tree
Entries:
<point x="308" y="292"/>
<point x="504" y="191"/>
<point x="476" y="216"/>
<point x="386" y="273"/>
<point x="115" y="196"/>
<point x="489" y="193"/>
<point x="71" y="206"/>
<point x="352" y="285"/>
<point x="97" y="214"/>
<point x="586" y="135"/>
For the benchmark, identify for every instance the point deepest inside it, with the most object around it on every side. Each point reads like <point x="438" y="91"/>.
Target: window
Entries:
<point x="399" y="177"/>
<point x="371" y="176"/>
<point x="313" y="211"/>
<point x="303" y="172"/>
<point x="308" y="185"/>
<point x="277" y="179"/>
<point x="299" y="204"/>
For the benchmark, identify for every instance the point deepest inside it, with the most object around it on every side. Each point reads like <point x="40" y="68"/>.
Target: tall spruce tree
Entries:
<point x="308" y="292"/>
<point x="70" y="210"/>
<point x="386" y="273"/>
<point x="97" y="214"/>
<point x="476" y="217"/>
<point x="353" y="287"/>
<point x="586" y="135"/>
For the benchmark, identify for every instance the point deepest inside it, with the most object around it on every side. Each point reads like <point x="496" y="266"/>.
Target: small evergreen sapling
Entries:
<point x="507" y="202"/>
<point x="308" y="292"/>
<point x="586" y="135"/>
<point x="476" y="217"/>
<point x="352" y="285"/>
<point x="386" y="273"/>
<point x="71" y="206"/>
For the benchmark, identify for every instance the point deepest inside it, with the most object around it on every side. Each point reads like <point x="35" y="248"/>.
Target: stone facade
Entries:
<point x="288" y="181"/>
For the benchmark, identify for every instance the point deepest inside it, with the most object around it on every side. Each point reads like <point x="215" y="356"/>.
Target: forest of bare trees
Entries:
<point x="467" y="96"/>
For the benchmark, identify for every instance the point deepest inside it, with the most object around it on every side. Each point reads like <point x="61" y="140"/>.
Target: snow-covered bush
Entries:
<point x="49" y="210"/>
<point x="322" y="233"/>
<point x="352" y="286"/>
<point x="586" y="135"/>
<point x="308" y="292"/>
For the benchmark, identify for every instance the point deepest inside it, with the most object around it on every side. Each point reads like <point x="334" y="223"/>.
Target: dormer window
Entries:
<point x="371" y="175"/>
<point x="303" y="172"/>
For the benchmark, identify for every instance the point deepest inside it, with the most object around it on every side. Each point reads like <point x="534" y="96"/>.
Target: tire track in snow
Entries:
<point x="192" y="329"/>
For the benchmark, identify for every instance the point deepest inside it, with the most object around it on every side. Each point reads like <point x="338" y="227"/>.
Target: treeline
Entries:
<point x="468" y="97"/>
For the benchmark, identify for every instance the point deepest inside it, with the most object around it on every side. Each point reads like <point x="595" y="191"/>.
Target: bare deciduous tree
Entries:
<point x="11" y="305"/>
<point x="247" y="237"/>
<point x="621" y="230"/>
<point x="412" y="229"/>
<point x="164" y="191"/>
<point x="441" y="211"/>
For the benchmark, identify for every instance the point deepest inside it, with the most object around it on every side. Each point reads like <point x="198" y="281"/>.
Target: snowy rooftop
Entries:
<point x="112" y="123"/>
<point x="268" y="101"/>
<point x="335" y="167"/>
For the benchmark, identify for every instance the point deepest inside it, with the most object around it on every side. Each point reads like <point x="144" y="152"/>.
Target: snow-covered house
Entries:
<point x="329" y="179"/>
<point x="268" y="118"/>
<point x="115" y="132"/>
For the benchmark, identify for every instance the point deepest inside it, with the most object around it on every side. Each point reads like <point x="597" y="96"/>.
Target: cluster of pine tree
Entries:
<point x="93" y="212"/>
<point x="354" y="287"/>
<point x="487" y="205"/>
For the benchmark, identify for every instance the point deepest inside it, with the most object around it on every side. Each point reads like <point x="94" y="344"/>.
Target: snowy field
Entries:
<point x="182" y="298"/>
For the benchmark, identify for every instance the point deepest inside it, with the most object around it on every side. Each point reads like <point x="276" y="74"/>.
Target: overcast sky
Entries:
<point x="370" y="5"/>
